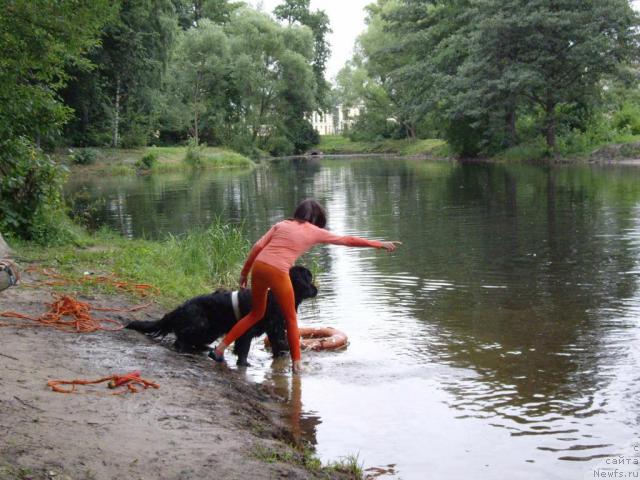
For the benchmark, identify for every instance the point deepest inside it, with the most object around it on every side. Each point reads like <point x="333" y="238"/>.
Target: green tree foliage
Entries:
<point x="298" y="11"/>
<point x="119" y="100"/>
<point x="366" y="81"/>
<point x="470" y="69"/>
<point x="40" y="40"/>
<point x="190" y="12"/>
<point x="197" y="76"/>
<point x="247" y="83"/>
<point x="211" y="70"/>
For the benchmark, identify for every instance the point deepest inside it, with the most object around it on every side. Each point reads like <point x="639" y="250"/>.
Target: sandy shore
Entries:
<point x="205" y="421"/>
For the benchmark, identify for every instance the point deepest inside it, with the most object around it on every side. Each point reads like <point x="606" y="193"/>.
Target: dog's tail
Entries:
<point x="159" y="328"/>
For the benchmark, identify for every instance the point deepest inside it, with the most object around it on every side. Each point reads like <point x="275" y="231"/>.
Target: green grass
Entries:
<point x="180" y="267"/>
<point x="10" y="472"/>
<point x="113" y="161"/>
<point x="337" y="144"/>
<point x="348" y="466"/>
<point x="578" y="147"/>
<point x="524" y="152"/>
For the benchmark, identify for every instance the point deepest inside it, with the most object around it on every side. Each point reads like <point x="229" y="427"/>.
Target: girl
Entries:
<point x="269" y="262"/>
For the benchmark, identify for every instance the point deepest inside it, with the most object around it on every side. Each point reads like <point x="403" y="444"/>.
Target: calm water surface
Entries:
<point x="500" y="341"/>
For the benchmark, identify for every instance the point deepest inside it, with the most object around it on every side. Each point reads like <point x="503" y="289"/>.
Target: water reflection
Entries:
<point x="501" y="337"/>
<point x="288" y="388"/>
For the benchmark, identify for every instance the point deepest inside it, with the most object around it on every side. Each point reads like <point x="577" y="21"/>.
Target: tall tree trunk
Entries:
<point x="116" y="116"/>
<point x="196" y="117"/>
<point x="510" y="123"/>
<point x="85" y="121"/>
<point x="411" y="130"/>
<point x="550" y="127"/>
<point x="195" y="128"/>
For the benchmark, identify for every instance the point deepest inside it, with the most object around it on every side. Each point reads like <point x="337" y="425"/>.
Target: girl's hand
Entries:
<point x="390" y="246"/>
<point x="243" y="281"/>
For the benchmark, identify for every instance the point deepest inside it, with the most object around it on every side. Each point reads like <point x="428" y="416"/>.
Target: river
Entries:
<point x="501" y="340"/>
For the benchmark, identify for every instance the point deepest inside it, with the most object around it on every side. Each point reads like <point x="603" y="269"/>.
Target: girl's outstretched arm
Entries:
<point x="325" y="236"/>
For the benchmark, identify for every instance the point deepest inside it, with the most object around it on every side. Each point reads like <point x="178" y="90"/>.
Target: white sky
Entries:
<point x="347" y="22"/>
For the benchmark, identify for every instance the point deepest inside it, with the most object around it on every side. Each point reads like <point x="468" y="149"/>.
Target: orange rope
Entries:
<point x="78" y="314"/>
<point x="141" y="289"/>
<point x="128" y="380"/>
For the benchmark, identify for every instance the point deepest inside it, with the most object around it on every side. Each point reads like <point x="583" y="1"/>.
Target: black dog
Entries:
<point x="199" y="321"/>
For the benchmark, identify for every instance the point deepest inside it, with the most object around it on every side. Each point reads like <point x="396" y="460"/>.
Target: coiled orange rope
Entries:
<point x="128" y="380"/>
<point x="69" y="315"/>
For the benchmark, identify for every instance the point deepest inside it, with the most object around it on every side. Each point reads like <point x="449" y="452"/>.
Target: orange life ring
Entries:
<point x="322" y="338"/>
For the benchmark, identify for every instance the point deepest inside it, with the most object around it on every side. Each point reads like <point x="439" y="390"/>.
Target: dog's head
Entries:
<point x="302" y="281"/>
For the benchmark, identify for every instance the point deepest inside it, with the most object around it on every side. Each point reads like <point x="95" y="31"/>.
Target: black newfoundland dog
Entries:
<point x="200" y="321"/>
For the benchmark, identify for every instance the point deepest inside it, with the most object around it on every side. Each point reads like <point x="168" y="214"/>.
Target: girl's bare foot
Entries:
<point x="296" y="367"/>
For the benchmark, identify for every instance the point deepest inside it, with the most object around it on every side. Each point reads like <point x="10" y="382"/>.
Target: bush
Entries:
<point x="301" y="135"/>
<point x="86" y="156"/>
<point x="373" y="126"/>
<point x="195" y="154"/>
<point x="279" y="146"/>
<point x="627" y="119"/>
<point x="136" y="135"/>
<point x="31" y="205"/>
<point x="148" y="161"/>
<point x="465" y="135"/>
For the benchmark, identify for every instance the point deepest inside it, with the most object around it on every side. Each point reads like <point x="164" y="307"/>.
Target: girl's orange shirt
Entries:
<point x="287" y="240"/>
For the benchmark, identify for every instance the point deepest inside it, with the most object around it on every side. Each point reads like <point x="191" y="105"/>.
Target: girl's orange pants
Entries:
<point x="263" y="278"/>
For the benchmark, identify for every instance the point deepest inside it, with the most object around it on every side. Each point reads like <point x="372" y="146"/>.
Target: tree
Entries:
<point x="476" y="63"/>
<point x="567" y="47"/>
<point x="198" y="73"/>
<point x="40" y="40"/>
<point x="123" y="88"/>
<point x="190" y="12"/>
<point x="271" y="83"/>
<point x="298" y="11"/>
<point x="247" y="84"/>
<point x="369" y="79"/>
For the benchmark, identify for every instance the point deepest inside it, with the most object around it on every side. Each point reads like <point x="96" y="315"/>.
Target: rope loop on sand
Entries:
<point x="116" y="383"/>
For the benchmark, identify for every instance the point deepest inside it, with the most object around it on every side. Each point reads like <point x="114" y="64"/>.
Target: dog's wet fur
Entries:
<point x="201" y="320"/>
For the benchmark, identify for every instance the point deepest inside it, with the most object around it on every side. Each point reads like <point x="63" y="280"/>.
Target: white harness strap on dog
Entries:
<point x="236" y="304"/>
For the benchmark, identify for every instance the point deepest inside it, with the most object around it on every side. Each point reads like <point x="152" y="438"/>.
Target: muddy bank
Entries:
<point x="617" y="153"/>
<point x="205" y="421"/>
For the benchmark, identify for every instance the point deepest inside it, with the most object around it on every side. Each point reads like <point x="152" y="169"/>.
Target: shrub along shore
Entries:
<point x="181" y="266"/>
<point x="112" y="161"/>
<point x="624" y="148"/>
<point x="341" y="145"/>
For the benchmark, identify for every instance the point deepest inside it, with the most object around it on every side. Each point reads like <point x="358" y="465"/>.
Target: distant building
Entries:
<point x="336" y="121"/>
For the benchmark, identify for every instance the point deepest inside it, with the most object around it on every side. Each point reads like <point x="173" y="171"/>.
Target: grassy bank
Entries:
<point x="180" y="267"/>
<point x="113" y="161"/>
<point x="576" y="148"/>
<point x="337" y="144"/>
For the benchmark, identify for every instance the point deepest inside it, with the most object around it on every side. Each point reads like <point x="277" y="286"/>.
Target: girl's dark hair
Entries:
<point x="311" y="211"/>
